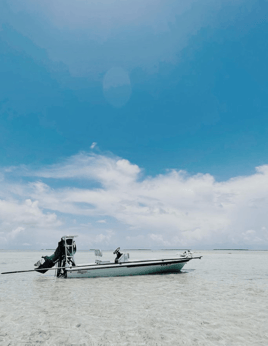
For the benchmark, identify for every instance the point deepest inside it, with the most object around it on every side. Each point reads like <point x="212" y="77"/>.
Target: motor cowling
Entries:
<point x="57" y="256"/>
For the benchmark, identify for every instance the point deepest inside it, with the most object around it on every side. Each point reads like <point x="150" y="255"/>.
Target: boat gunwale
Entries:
<point x="131" y="264"/>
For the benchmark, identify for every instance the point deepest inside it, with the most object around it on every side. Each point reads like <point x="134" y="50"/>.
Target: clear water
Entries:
<point x="221" y="299"/>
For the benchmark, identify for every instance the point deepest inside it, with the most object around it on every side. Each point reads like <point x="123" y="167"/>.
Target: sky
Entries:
<point x="134" y="123"/>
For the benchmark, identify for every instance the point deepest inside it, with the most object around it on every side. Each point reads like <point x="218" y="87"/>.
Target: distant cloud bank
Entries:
<point x="119" y="204"/>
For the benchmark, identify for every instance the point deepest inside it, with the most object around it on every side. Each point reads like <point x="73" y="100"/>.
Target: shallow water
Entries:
<point x="221" y="299"/>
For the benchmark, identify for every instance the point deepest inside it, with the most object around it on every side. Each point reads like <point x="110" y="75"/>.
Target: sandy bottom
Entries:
<point x="219" y="300"/>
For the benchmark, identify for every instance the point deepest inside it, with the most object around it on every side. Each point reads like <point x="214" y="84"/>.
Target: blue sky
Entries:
<point x="162" y="86"/>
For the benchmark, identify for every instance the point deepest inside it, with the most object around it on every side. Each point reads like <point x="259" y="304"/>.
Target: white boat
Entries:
<point x="63" y="257"/>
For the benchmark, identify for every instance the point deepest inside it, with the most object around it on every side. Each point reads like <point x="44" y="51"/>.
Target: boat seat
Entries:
<point x="101" y="262"/>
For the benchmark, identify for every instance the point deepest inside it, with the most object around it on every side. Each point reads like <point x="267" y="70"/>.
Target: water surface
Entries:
<point x="219" y="300"/>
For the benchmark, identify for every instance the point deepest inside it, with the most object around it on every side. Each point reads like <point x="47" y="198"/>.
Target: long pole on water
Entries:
<point x="33" y="270"/>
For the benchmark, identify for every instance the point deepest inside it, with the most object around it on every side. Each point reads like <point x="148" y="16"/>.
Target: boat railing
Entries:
<point x="70" y="248"/>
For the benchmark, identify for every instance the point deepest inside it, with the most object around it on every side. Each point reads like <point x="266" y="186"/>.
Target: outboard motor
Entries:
<point x="63" y="255"/>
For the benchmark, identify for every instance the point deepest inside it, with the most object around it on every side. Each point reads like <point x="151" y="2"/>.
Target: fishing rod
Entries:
<point x="33" y="270"/>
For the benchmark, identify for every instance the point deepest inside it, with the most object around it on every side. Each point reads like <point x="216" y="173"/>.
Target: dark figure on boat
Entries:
<point x="58" y="256"/>
<point x="118" y="254"/>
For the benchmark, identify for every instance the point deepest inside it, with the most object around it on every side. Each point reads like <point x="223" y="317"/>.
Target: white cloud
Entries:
<point x="103" y="238"/>
<point x="173" y="209"/>
<point x="20" y="220"/>
<point x="15" y="232"/>
<point x="93" y="145"/>
<point x="109" y="171"/>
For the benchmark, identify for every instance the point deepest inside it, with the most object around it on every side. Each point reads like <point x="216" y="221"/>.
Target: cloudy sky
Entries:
<point x="134" y="123"/>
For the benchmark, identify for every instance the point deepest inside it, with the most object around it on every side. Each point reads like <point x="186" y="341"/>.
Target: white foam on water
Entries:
<point x="219" y="300"/>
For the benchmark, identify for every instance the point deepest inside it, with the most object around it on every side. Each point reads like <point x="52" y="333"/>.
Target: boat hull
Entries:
<point x="126" y="269"/>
